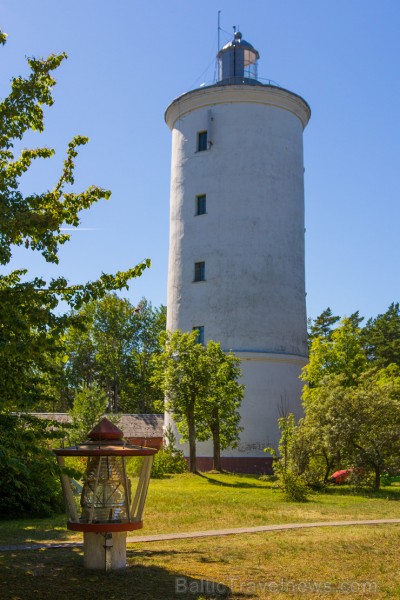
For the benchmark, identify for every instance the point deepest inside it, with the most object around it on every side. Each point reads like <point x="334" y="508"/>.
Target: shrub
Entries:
<point x="29" y="480"/>
<point x="294" y="487"/>
<point x="167" y="461"/>
<point x="290" y="465"/>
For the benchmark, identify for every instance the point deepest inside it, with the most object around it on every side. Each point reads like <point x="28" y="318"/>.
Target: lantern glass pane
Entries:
<point x="105" y="498"/>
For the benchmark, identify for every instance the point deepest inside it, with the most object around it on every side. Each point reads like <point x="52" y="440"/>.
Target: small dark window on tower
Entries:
<point x="201" y="205"/>
<point x="200" y="336"/>
<point x="201" y="141"/>
<point x="200" y="271"/>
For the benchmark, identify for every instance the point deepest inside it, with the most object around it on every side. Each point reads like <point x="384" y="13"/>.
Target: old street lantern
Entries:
<point x="114" y="489"/>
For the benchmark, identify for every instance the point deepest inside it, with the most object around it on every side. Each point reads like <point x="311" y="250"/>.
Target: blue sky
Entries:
<point x="128" y="60"/>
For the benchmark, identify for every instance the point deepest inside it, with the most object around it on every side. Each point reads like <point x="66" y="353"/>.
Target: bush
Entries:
<point x="168" y="461"/>
<point x="292" y="462"/>
<point x="29" y="479"/>
<point x="294" y="487"/>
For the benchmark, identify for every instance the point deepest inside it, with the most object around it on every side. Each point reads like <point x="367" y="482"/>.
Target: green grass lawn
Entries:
<point x="346" y="562"/>
<point x="215" y="501"/>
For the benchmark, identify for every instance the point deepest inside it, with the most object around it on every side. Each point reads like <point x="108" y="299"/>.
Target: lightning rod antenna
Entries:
<point x="219" y="29"/>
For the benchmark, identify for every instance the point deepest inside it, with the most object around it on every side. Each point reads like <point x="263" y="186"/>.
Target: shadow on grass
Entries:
<point x="237" y="484"/>
<point x="49" y="574"/>
<point x="21" y="531"/>
<point x="386" y="493"/>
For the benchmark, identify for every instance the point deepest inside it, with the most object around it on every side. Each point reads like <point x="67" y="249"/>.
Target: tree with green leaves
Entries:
<point x="181" y="371"/>
<point x="150" y="323"/>
<point x="335" y="362"/>
<point x="341" y="353"/>
<point x="371" y="420"/>
<point x="322" y="326"/>
<point x="355" y="319"/>
<point x="112" y="344"/>
<point x="90" y="405"/>
<point x="324" y="425"/>
<point x="112" y="334"/>
<point x="358" y="426"/>
<point x="381" y="337"/>
<point x="31" y="333"/>
<point x="80" y="350"/>
<point x="218" y="413"/>
<point x="202" y="392"/>
<point x="352" y="415"/>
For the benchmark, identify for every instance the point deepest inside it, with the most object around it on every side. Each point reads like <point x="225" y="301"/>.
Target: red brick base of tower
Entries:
<point x="256" y="465"/>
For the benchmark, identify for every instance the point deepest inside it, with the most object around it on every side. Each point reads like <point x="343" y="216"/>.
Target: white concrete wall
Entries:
<point x="251" y="239"/>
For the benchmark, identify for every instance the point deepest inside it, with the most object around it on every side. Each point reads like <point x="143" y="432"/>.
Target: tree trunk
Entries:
<point x="216" y="451"/>
<point x="142" y="387"/>
<point x="216" y="441"/>
<point x="377" y="481"/>
<point x="329" y="464"/>
<point x="115" y="392"/>
<point x="192" y="440"/>
<point x="328" y="469"/>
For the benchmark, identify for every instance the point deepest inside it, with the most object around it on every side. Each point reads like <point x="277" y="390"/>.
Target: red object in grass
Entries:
<point x="341" y="476"/>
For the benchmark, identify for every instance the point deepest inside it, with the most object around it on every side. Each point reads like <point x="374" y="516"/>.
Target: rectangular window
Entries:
<point x="201" y="141"/>
<point x="201" y="205"/>
<point x="200" y="271"/>
<point x="200" y="336"/>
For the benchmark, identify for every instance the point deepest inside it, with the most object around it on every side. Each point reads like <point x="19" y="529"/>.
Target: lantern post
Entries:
<point x="113" y="495"/>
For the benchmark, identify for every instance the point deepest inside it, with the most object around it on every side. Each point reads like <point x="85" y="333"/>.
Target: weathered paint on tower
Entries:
<point x="236" y="256"/>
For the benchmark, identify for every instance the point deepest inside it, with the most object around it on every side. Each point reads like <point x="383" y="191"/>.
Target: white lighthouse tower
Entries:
<point x="236" y="256"/>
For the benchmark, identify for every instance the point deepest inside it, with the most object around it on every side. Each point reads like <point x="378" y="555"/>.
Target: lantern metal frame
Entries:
<point x="106" y="442"/>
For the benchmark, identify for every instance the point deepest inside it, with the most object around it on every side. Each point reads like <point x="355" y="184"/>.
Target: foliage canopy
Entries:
<point x="31" y="333"/>
<point x="202" y="391"/>
<point x="351" y="400"/>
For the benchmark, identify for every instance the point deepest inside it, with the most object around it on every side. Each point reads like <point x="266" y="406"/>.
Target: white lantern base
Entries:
<point x="105" y="551"/>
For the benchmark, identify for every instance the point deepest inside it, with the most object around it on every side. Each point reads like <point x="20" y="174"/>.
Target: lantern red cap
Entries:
<point x="105" y="430"/>
<point x="106" y="439"/>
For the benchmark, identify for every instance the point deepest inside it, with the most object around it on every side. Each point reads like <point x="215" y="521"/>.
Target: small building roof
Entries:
<point x="133" y="426"/>
<point x="151" y="425"/>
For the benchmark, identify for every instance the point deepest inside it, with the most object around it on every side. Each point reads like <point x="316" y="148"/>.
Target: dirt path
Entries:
<point x="211" y="533"/>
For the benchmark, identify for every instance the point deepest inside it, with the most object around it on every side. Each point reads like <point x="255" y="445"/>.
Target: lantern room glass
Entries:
<point x="105" y="495"/>
<point x="250" y="64"/>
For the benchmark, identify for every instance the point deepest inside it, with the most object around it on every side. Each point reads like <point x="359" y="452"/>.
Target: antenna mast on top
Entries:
<point x="219" y="29"/>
